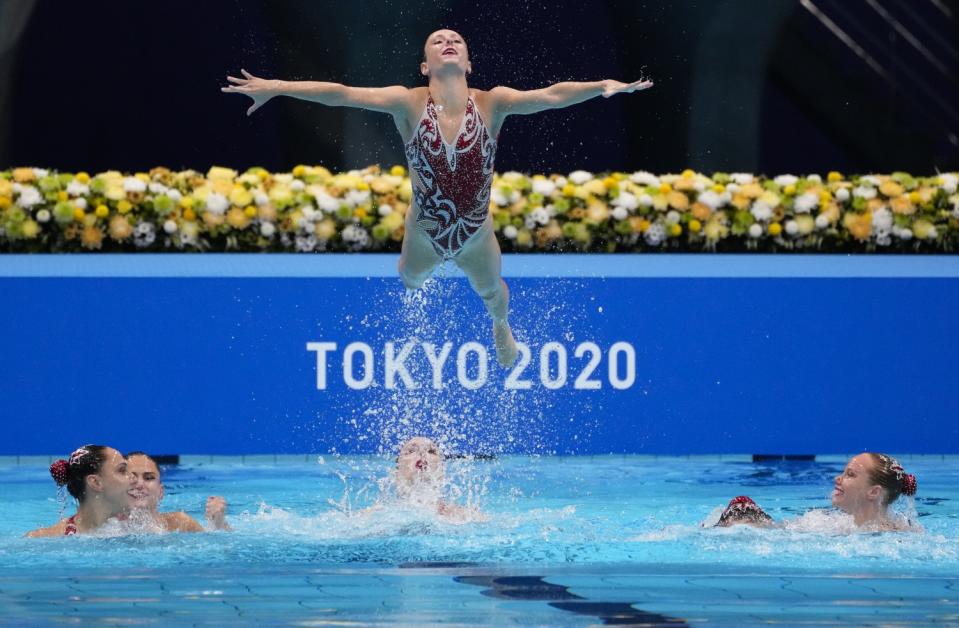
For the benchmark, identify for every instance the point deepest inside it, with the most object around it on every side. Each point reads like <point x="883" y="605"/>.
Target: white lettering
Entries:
<point x="321" y="348"/>
<point x="437" y="362"/>
<point x="622" y="383"/>
<point x="395" y="366"/>
<point x="351" y="381"/>
<point x="583" y="382"/>
<point x="513" y="382"/>
<point x="544" y="375"/>
<point x="482" y="367"/>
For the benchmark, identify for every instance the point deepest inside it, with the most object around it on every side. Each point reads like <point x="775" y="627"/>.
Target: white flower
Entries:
<point x="355" y="234"/>
<point x="157" y="188"/>
<point x="902" y="233"/>
<point x="75" y="188"/>
<point x="933" y="234"/>
<point x="551" y="210"/>
<point x="174" y="195"/>
<point x="144" y="233"/>
<point x="645" y="200"/>
<point x="310" y="214"/>
<point x="699" y="185"/>
<point x="544" y="187"/>
<point x="170" y="226"/>
<point x="954" y="199"/>
<point x="80" y="203"/>
<point x="529" y="222"/>
<point x="761" y="211"/>
<point x="509" y="231"/>
<point x="354" y="198"/>
<point x="561" y="181"/>
<point x="626" y="200"/>
<point x="842" y="195"/>
<point x="261" y="199"/>
<point x="755" y="230"/>
<point x="655" y="235"/>
<point x="306" y="243"/>
<point x="732" y="188"/>
<point x="711" y="199"/>
<point x="515" y="196"/>
<point x="267" y="229"/>
<point x="742" y="178"/>
<point x="384" y="209"/>
<point x="821" y="221"/>
<point x="620" y="213"/>
<point x="785" y="179"/>
<point x="882" y="219"/>
<point x="950" y="183"/>
<point x="513" y="177"/>
<point x="539" y="215"/>
<point x="792" y="227"/>
<point x="496" y="195"/>
<point x="40" y="172"/>
<point x="132" y="184"/>
<point x="303" y="224"/>
<point x="327" y="203"/>
<point x="864" y="192"/>
<point x="644" y="178"/>
<point x="814" y="178"/>
<point x="870" y="180"/>
<point x="297" y="185"/>
<point x="29" y="196"/>
<point x="43" y="215"/>
<point x="217" y="204"/>
<point x="17" y="188"/>
<point x="672" y="217"/>
<point x="882" y="237"/>
<point x="805" y="203"/>
<point x="579" y="177"/>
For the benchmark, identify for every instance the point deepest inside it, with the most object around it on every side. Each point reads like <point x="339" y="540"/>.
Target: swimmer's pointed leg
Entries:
<point x="505" y="344"/>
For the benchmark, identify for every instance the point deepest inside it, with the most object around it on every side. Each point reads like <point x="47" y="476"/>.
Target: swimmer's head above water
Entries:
<point x="445" y="52"/>
<point x="94" y="471"/>
<point x="419" y="463"/>
<point x="869" y="483"/>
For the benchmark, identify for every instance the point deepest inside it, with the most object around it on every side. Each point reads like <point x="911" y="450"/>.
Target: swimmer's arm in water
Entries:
<point x="216" y="513"/>
<point x="507" y="101"/>
<point x="56" y="529"/>
<point x="391" y="99"/>
<point x="180" y="522"/>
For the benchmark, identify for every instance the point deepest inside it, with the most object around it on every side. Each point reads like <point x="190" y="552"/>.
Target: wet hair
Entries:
<point x="743" y="509"/>
<point x="73" y="472"/>
<point x="889" y="474"/>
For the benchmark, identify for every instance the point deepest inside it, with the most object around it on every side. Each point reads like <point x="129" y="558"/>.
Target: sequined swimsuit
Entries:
<point x="454" y="180"/>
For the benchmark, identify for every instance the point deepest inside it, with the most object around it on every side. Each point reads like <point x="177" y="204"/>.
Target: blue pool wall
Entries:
<point x="210" y="354"/>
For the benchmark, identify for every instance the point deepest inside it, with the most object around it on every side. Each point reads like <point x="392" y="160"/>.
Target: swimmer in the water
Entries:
<point x="97" y="478"/>
<point x="146" y="493"/>
<point x="865" y="489"/>
<point x="420" y="479"/>
<point x="450" y="216"/>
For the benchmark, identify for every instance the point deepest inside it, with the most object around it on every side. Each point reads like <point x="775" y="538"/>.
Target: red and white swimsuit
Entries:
<point x="454" y="180"/>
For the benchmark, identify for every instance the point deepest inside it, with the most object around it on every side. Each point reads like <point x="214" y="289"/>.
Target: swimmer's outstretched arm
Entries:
<point x="384" y="99"/>
<point x="508" y="101"/>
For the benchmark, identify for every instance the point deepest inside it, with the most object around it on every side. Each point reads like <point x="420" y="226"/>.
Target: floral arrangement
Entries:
<point x="313" y="209"/>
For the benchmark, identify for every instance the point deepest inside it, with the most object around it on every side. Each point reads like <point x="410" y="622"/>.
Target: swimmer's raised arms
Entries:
<point x="449" y="217"/>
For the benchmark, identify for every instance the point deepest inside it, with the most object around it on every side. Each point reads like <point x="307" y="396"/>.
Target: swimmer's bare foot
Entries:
<point x="506" y="350"/>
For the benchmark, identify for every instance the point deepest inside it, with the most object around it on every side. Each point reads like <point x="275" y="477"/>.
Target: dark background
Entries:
<point x="771" y="86"/>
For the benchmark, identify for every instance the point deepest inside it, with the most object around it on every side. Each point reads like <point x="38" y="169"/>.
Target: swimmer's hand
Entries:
<point x="260" y="90"/>
<point x="611" y="88"/>
<point x="216" y="513"/>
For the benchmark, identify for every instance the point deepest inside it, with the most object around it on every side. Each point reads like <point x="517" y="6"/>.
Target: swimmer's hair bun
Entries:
<point x="60" y="471"/>
<point x="909" y="484"/>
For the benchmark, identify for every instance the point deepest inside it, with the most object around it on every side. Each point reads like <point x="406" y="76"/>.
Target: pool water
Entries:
<point x="570" y="540"/>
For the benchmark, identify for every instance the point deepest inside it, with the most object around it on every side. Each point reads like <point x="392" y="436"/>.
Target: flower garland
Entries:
<point x="313" y="209"/>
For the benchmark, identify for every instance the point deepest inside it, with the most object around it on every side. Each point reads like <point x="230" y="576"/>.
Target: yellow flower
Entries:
<point x="250" y="211"/>
<point x="824" y="197"/>
<point x="266" y="212"/>
<point x="859" y="225"/>
<point x="62" y="195"/>
<point x="695" y="226"/>
<point x="569" y="189"/>
<point x="115" y="192"/>
<point x="678" y="200"/>
<point x="834" y="177"/>
<point x="921" y="228"/>
<point x="142" y="176"/>
<point x="595" y="187"/>
<point x="82" y="177"/>
<point x="78" y="214"/>
<point x="597" y="212"/>
<point x="675" y="230"/>
<point x="806" y="224"/>
<point x="120" y="229"/>
<point x="299" y="171"/>
<point x="91" y="238"/>
<point x="890" y="188"/>
<point x="218" y="172"/>
<point x="915" y="197"/>
<point x="187" y="202"/>
<point x="789" y="190"/>
<point x="719" y="188"/>
<point x="398" y="171"/>
<point x="660" y="202"/>
<point x="240" y="196"/>
<point x="5" y="202"/>
<point x="325" y="230"/>
<point x="102" y="211"/>
<point x="751" y="190"/>
<point x="360" y="213"/>
<point x="524" y="238"/>
<point x="189" y="214"/>
<point x="715" y="230"/>
<point x="665" y="188"/>
<point x="30" y="229"/>
<point x="23" y="175"/>
<point x="688" y="174"/>
<point x="237" y="219"/>
<point x="769" y="198"/>
<point x="124" y="206"/>
<point x="775" y="229"/>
